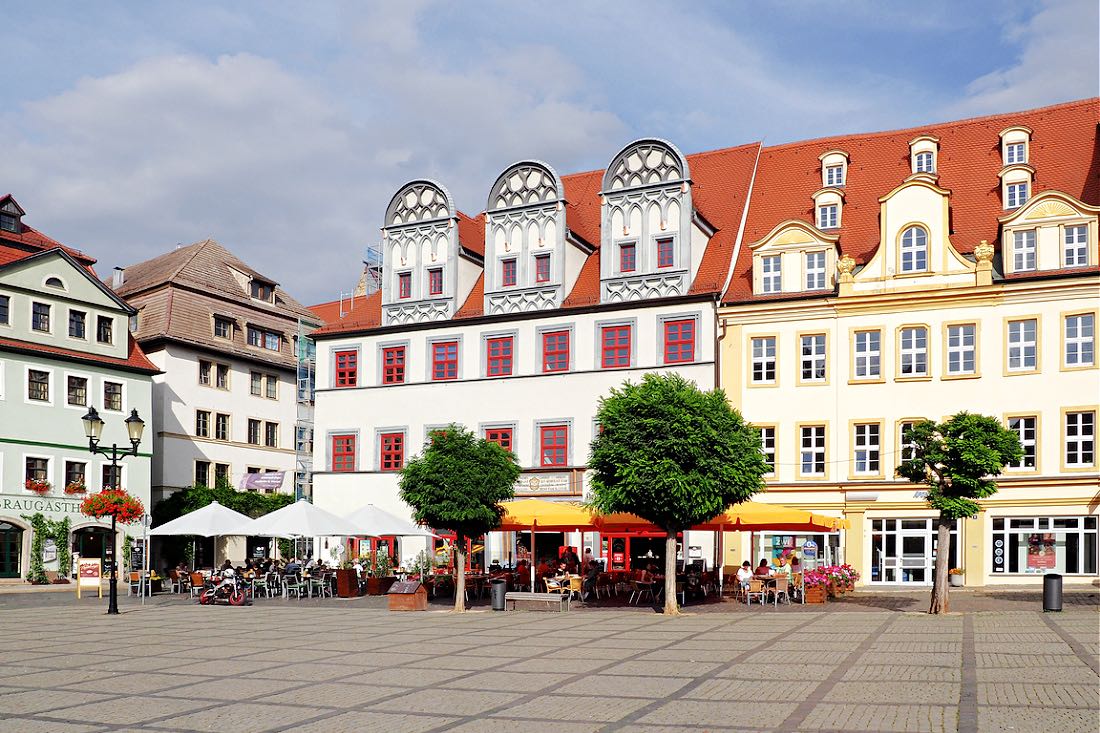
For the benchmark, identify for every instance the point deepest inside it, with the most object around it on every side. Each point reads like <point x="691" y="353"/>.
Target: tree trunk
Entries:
<point x="671" y="608"/>
<point x="460" y="574"/>
<point x="943" y="557"/>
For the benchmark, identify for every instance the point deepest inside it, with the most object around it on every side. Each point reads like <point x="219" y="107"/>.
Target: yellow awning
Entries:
<point x="562" y="516"/>
<point x="753" y="515"/>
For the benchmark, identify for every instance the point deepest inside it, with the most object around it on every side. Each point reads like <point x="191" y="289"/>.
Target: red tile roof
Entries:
<point x="366" y="314"/>
<point x="135" y="359"/>
<point x="30" y="242"/>
<point x="471" y="233"/>
<point x="1063" y="151"/>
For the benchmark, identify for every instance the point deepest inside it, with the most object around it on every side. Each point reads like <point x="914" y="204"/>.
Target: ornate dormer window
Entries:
<point x="1015" y="142"/>
<point x="828" y="203"/>
<point x="1017" y="175"/>
<point x="923" y="151"/>
<point x="421" y="253"/>
<point x="11" y="215"/>
<point x="794" y="257"/>
<point x="834" y="169"/>
<point x="1051" y="231"/>
<point x="527" y="250"/>
<point x="913" y="250"/>
<point x="648" y="224"/>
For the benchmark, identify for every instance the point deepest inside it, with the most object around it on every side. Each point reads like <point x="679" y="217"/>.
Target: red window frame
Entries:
<point x="665" y="252"/>
<point x="555" y="351"/>
<point x="498" y="356"/>
<point x="444" y="361"/>
<point x="615" y="346"/>
<point x="508" y="272"/>
<point x="347" y="368"/>
<point x="628" y="257"/>
<point x="391" y="451"/>
<point x="404" y="284"/>
<point x="542" y="268"/>
<point x="500" y="436"/>
<point x="393" y="365"/>
<point x="435" y="281"/>
<point x="553" y="442"/>
<point x="679" y="341"/>
<point x="343" y="452"/>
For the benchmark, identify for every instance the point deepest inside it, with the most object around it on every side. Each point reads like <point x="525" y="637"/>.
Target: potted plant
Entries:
<point x="380" y="570"/>
<point x="37" y="486"/>
<point x="814" y="586"/>
<point x="75" y="487"/>
<point x="347" y="581"/>
<point x="955" y="577"/>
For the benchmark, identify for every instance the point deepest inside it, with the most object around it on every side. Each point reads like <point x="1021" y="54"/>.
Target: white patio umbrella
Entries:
<point x="212" y="520"/>
<point x="300" y="519"/>
<point x="370" y="520"/>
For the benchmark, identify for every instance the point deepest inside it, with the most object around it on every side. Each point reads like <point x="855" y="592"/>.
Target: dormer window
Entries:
<point x="924" y="163"/>
<point x="1015" y="195"/>
<point x="1023" y="250"/>
<point x="665" y="254"/>
<point x="11" y="215"/>
<point x="772" y="274"/>
<point x="834" y="175"/>
<point x="834" y="169"/>
<point x="404" y="285"/>
<point x="628" y="260"/>
<point x="1015" y="153"/>
<point x="828" y="216"/>
<point x="263" y="291"/>
<point x="922" y="154"/>
<point x="508" y="272"/>
<point x="914" y="250"/>
<point x="815" y="271"/>
<point x="1076" y="249"/>
<point x="435" y="281"/>
<point x="1014" y="145"/>
<point x="9" y="222"/>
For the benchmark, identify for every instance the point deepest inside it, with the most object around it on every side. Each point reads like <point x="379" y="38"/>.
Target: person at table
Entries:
<point x="543" y="567"/>
<point x="591" y="573"/>
<point x="782" y="568"/>
<point x="227" y="565"/>
<point x="495" y="566"/>
<point x="293" y="567"/>
<point x="571" y="560"/>
<point x="311" y="562"/>
<point x="796" y="565"/>
<point x="744" y="574"/>
<point x="763" y="569"/>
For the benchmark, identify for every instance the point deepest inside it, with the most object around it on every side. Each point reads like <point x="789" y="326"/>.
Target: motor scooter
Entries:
<point x="227" y="591"/>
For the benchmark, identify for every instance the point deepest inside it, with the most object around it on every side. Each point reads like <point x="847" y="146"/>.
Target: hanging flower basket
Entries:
<point x="113" y="502"/>
<point x="39" y="487"/>
<point x="75" y="488"/>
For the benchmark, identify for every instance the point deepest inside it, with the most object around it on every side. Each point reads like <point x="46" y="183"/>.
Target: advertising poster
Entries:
<point x="89" y="574"/>
<point x="1040" y="552"/>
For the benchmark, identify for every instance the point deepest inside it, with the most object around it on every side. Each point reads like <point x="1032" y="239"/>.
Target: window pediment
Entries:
<point x="794" y="257"/>
<point x="1051" y="231"/>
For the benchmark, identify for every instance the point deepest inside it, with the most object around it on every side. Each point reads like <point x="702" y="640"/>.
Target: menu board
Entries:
<point x="89" y="572"/>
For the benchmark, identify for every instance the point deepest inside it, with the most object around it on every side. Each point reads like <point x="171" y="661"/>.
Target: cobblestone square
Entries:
<point x="176" y="667"/>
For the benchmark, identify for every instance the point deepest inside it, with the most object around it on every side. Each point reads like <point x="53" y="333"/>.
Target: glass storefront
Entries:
<point x="904" y="550"/>
<point x="1037" y="545"/>
<point x="773" y="545"/>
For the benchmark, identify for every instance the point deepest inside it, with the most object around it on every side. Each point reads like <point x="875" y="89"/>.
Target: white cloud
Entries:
<point x="1058" y="61"/>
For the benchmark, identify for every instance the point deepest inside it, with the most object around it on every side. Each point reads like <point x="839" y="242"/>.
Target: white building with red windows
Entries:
<point x="515" y="322"/>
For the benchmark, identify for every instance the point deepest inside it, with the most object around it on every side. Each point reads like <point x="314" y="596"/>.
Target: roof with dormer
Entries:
<point x="1063" y="151"/>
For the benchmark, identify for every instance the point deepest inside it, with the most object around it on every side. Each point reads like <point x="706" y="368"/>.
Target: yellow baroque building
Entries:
<point x="889" y="277"/>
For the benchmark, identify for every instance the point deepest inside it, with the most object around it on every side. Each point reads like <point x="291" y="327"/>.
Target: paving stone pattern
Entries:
<point x="180" y="668"/>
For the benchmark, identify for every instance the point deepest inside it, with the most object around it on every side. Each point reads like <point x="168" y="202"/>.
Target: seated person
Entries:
<point x="293" y="566"/>
<point x="591" y="572"/>
<point x="763" y="569"/>
<point x="495" y="567"/>
<point x="782" y="568"/>
<point x="744" y="573"/>
<point x="543" y="568"/>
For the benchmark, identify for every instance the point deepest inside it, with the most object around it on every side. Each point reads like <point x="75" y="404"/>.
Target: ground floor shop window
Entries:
<point x="825" y="549"/>
<point x="1045" y="545"/>
<point x="904" y="550"/>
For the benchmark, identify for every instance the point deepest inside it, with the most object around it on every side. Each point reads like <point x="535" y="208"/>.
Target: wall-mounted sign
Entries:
<point x="535" y="484"/>
<point x="49" y="551"/>
<point x="269" y="481"/>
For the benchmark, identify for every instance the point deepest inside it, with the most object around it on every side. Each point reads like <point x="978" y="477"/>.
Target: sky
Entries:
<point x="282" y="129"/>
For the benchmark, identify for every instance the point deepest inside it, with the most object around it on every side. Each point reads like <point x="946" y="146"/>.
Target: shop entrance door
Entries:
<point x="11" y="542"/>
<point x="91" y="541"/>
<point x="904" y="550"/>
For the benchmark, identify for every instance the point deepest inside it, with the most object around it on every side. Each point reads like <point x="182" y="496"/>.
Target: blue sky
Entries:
<point x="282" y="129"/>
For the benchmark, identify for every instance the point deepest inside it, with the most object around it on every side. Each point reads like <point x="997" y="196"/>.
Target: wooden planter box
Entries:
<point x="815" y="594"/>
<point x="379" y="586"/>
<point x="347" y="584"/>
<point x="408" y="596"/>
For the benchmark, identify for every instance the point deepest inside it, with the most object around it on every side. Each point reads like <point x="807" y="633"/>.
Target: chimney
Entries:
<point x="118" y="277"/>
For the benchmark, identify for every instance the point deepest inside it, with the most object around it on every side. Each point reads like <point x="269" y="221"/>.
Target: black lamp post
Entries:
<point x="93" y="429"/>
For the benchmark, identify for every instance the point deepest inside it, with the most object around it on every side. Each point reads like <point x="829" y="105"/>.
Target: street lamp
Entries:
<point x="93" y="429"/>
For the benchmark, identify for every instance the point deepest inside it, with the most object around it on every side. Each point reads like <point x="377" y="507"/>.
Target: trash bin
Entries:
<point x="497" y="588"/>
<point x="1052" y="592"/>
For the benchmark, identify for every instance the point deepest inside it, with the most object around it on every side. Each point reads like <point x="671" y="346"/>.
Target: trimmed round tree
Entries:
<point x="675" y="456"/>
<point x="957" y="460"/>
<point x="457" y="483"/>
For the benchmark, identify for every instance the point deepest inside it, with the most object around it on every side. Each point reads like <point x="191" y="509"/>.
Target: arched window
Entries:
<point x="55" y="282"/>
<point x="924" y="163"/>
<point x="914" y="250"/>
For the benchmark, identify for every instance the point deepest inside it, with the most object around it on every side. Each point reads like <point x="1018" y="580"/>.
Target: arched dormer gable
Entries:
<point x="834" y="168"/>
<point x="651" y="246"/>
<point x="1015" y="144"/>
<point x="528" y="266"/>
<point x="915" y="249"/>
<point x="1053" y="231"/>
<point x="794" y="257"/>
<point x="924" y="153"/>
<point x="828" y="207"/>
<point x="646" y="162"/>
<point x="423" y="275"/>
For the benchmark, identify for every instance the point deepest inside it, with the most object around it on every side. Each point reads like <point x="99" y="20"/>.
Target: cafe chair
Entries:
<point x="293" y="584"/>
<point x="197" y="582"/>
<point x="781" y="588"/>
<point x="639" y="589"/>
<point x="756" y="588"/>
<point x="135" y="584"/>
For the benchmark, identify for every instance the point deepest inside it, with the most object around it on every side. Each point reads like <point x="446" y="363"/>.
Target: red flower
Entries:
<point x="75" y="487"/>
<point x="113" y="502"/>
<point x="38" y="487"/>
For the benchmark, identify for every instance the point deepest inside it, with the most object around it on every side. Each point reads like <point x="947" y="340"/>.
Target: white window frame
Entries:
<point x="1016" y="194"/>
<point x="828" y="216"/>
<point x="924" y="162"/>
<point x="51" y="386"/>
<point x="767" y="434"/>
<point x="834" y="175"/>
<point x="911" y="354"/>
<point x="1023" y="352"/>
<point x="868" y="354"/>
<point x="1024" y="256"/>
<point x="813" y="451"/>
<point x="868" y="449"/>
<point x="906" y="449"/>
<point x="816" y="358"/>
<point x="1015" y="153"/>
<point x="761" y="360"/>
<point x="1081" y="442"/>
<point x="1075" y="245"/>
<point x="1079" y="348"/>
<point x="914" y="250"/>
<point x="1022" y="429"/>
<point x="771" y="273"/>
<point x="958" y="349"/>
<point x="815" y="271"/>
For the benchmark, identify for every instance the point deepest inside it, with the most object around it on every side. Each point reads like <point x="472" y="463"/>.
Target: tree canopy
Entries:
<point x="673" y="454"/>
<point x="249" y="503"/>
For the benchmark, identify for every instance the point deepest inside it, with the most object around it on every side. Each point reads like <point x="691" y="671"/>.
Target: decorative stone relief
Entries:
<point x="645" y="287"/>
<point x="521" y="301"/>
<point x="423" y="311"/>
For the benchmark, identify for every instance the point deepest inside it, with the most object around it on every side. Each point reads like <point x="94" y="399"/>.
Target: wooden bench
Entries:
<point x="516" y="599"/>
